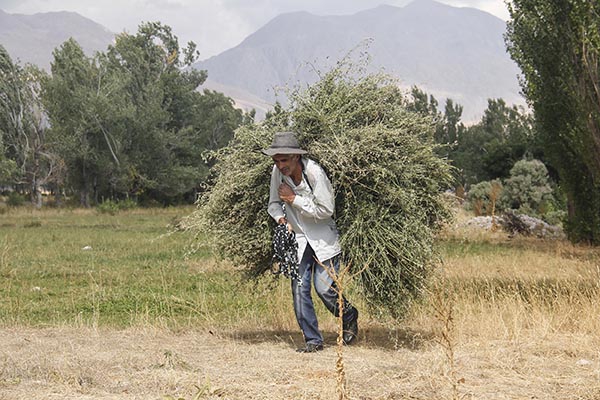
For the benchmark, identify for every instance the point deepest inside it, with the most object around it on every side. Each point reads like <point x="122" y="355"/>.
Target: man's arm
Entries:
<point x="275" y="210"/>
<point x="322" y="202"/>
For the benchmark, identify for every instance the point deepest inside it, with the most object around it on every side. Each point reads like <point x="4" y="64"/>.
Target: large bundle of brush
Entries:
<point x="381" y="161"/>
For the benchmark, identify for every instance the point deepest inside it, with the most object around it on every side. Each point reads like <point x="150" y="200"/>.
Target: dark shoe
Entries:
<point x="351" y="329"/>
<point x="310" y="348"/>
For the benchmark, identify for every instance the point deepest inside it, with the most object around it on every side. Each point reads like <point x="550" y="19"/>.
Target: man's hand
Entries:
<point x="286" y="193"/>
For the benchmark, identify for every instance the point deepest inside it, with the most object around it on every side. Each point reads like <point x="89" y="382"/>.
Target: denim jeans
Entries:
<point x="312" y="273"/>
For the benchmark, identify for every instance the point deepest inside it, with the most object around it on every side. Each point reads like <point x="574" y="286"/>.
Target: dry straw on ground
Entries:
<point x="66" y="363"/>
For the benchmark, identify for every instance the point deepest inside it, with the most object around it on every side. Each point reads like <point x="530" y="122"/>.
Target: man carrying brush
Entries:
<point x="301" y="196"/>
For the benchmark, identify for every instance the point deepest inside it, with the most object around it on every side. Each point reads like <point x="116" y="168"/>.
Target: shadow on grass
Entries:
<point x="374" y="337"/>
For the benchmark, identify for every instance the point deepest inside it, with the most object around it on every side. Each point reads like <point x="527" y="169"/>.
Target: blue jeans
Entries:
<point x="311" y="272"/>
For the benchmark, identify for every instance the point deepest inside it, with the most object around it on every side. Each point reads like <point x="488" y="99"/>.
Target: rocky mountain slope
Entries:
<point x="447" y="51"/>
<point x="32" y="38"/>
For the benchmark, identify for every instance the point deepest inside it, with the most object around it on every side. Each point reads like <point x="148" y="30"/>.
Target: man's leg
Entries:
<point x="303" y="303"/>
<point x="326" y="289"/>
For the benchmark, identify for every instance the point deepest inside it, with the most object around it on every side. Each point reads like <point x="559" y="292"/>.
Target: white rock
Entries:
<point x="583" y="362"/>
<point x="86" y="248"/>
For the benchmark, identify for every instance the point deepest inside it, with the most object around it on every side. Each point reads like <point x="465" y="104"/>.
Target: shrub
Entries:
<point x="528" y="189"/>
<point x="126" y="204"/>
<point x="108" y="207"/>
<point x="112" y="207"/>
<point x="15" y="199"/>
<point x="484" y="197"/>
<point x="555" y="217"/>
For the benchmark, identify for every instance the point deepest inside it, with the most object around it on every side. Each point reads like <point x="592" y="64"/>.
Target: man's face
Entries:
<point x="286" y="163"/>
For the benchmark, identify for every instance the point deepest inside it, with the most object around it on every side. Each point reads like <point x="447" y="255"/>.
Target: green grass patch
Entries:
<point x="81" y="267"/>
<point x="84" y="268"/>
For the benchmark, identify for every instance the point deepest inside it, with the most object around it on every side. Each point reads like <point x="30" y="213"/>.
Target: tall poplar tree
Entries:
<point x="556" y="43"/>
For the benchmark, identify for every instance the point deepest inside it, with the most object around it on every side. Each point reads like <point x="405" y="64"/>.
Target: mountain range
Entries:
<point x="449" y="52"/>
<point x="32" y="38"/>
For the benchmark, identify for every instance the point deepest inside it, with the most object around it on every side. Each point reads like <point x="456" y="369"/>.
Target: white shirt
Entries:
<point x="310" y="215"/>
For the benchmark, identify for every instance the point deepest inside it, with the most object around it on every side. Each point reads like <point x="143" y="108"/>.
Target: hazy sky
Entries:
<point x="214" y="25"/>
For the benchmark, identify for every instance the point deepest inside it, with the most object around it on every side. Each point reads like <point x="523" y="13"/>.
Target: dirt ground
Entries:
<point x="83" y="363"/>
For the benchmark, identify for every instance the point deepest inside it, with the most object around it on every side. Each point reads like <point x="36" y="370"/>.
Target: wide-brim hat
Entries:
<point x="284" y="143"/>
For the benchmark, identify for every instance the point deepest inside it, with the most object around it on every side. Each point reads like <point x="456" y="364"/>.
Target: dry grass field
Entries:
<point x="135" y="317"/>
<point x="70" y="363"/>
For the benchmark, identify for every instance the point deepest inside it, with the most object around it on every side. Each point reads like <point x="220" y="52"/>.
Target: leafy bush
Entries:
<point x="381" y="162"/>
<point x="528" y="189"/>
<point x="108" y="207"/>
<point x="112" y="207"/>
<point x="15" y="199"/>
<point x="555" y="217"/>
<point x="126" y="204"/>
<point x="483" y="197"/>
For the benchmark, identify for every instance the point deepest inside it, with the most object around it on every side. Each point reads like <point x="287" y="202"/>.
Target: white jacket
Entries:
<point x="310" y="215"/>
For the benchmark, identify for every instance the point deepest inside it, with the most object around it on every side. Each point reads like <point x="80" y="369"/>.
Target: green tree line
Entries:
<point x="485" y="150"/>
<point x="127" y="123"/>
